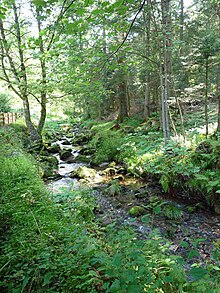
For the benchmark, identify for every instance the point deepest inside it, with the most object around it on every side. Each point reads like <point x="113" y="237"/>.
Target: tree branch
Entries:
<point x="128" y="32"/>
<point x="62" y="12"/>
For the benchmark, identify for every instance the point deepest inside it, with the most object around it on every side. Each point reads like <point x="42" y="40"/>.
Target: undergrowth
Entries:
<point x="190" y="170"/>
<point x="52" y="242"/>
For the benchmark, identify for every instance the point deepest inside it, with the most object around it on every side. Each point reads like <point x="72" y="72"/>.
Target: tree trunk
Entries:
<point x="43" y="94"/>
<point x="34" y="135"/>
<point x="147" y="21"/>
<point x="165" y="68"/>
<point x="123" y="101"/>
<point x="206" y="97"/>
<point x="218" y="127"/>
<point x="218" y="96"/>
<point x="181" y="27"/>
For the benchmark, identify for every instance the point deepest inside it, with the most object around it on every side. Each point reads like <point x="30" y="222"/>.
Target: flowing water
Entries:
<point x="193" y="236"/>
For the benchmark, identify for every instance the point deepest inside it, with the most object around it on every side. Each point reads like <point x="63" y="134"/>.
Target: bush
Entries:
<point x="4" y="103"/>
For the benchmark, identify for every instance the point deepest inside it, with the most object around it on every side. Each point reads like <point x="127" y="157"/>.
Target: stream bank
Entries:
<point x="192" y="233"/>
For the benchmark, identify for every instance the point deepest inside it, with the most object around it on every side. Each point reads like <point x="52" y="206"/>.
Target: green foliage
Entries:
<point x="107" y="144"/>
<point x="51" y="243"/>
<point x="114" y="188"/>
<point x="5" y="104"/>
<point x="172" y="212"/>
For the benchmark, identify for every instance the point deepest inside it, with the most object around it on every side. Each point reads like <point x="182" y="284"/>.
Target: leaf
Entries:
<point x="184" y="244"/>
<point x="145" y="219"/>
<point x="192" y="253"/>
<point x="197" y="273"/>
<point x="115" y="285"/>
<point x="157" y="210"/>
<point x="134" y="288"/>
<point x="117" y="260"/>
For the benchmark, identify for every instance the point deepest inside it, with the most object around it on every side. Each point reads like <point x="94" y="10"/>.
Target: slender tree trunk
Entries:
<point x="43" y="92"/>
<point x="23" y="84"/>
<point x="123" y="100"/>
<point x="122" y="90"/>
<point x="165" y="65"/>
<point x="218" y="96"/>
<point x="218" y="127"/>
<point x="147" y="21"/>
<point x="206" y="97"/>
<point x="34" y="135"/>
<point x="181" y="26"/>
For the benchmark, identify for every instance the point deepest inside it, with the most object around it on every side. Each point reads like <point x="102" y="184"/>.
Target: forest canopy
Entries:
<point x="111" y="58"/>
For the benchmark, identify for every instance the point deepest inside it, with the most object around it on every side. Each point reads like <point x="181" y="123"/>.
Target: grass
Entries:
<point x="53" y="243"/>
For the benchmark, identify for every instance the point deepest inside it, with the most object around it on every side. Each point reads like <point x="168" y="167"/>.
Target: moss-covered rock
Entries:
<point x="54" y="149"/>
<point x="48" y="166"/>
<point x="65" y="154"/>
<point x="82" y="158"/>
<point x="109" y="171"/>
<point x="83" y="173"/>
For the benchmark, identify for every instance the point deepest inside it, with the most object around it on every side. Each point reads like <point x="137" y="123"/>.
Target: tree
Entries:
<point x="25" y="56"/>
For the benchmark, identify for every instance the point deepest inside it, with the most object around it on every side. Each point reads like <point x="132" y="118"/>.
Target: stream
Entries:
<point x="195" y="235"/>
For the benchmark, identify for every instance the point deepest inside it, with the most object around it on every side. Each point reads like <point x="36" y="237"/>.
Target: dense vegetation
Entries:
<point x="53" y="242"/>
<point x="138" y="85"/>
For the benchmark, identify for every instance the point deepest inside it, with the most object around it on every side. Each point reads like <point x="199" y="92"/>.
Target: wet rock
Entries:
<point x="82" y="158"/>
<point x="65" y="153"/>
<point x="66" y="142"/>
<point x="54" y="149"/>
<point x="103" y="165"/>
<point x="81" y="138"/>
<point x="70" y="160"/>
<point x="87" y="151"/>
<point x="136" y="211"/>
<point x="83" y="173"/>
<point x="122" y="170"/>
<point x="119" y="177"/>
<point x="109" y="171"/>
<point x="112" y="165"/>
<point x="48" y="166"/>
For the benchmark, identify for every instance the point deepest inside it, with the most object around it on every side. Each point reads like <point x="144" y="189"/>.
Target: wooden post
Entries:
<point x="2" y="118"/>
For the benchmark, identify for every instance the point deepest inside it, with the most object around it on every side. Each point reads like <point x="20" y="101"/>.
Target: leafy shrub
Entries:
<point x="4" y="103"/>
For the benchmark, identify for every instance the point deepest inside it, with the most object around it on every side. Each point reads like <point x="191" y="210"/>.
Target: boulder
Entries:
<point x="109" y="171"/>
<point x="83" y="173"/>
<point x="48" y="166"/>
<point x="83" y="159"/>
<point x="65" y="154"/>
<point x="54" y="149"/>
<point x="66" y="142"/>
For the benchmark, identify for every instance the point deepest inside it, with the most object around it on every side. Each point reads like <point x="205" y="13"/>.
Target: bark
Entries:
<point x="16" y="76"/>
<point x="206" y="97"/>
<point x="122" y="90"/>
<point x="34" y="135"/>
<point x="218" y="127"/>
<point x="181" y="26"/>
<point x="147" y="21"/>
<point x="218" y="97"/>
<point x="43" y="94"/>
<point x="165" y="68"/>
<point x="123" y="101"/>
